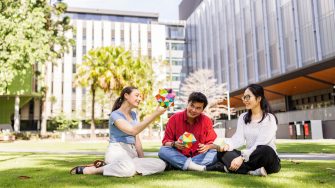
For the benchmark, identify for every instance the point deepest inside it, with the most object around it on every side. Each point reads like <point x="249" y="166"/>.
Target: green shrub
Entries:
<point x="99" y="124"/>
<point x="61" y="123"/>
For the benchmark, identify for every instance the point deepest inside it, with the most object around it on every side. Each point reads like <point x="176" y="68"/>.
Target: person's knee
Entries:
<point x="127" y="168"/>
<point x="265" y="149"/>
<point x="161" y="165"/>
<point x="228" y="156"/>
<point x="212" y="151"/>
<point x="163" y="151"/>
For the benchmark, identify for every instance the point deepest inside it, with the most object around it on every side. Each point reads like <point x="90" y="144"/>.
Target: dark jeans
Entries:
<point x="263" y="156"/>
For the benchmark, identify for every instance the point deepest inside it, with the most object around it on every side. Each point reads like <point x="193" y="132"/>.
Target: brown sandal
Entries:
<point x="99" y="163"/>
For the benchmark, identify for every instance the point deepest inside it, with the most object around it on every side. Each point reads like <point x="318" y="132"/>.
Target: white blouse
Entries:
<point x="254" y="134"/>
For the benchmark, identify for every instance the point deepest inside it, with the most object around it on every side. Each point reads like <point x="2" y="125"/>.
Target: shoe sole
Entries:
<point x="263" y="172"/>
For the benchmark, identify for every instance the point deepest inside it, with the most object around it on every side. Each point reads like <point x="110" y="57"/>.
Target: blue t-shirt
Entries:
<point x="115" y="134"/>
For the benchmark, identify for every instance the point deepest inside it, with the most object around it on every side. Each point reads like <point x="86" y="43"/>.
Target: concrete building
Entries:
<point x="135" y="31"/>
<point x="175" y="45"/>
<point x="287" y="46"/>
<point x="139" y="32"/>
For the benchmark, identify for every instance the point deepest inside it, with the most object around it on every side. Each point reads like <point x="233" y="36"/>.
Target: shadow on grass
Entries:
<point x="53" y="171"/>
<point x="15" y="157"/>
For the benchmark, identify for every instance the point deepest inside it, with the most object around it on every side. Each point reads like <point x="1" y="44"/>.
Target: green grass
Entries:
<point x="306" y="147"/>
<point x="50" y="170"/>
<point x="284" y="146"/>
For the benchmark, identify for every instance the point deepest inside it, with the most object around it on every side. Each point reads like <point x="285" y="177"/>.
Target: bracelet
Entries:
<point x="173" y="144"/>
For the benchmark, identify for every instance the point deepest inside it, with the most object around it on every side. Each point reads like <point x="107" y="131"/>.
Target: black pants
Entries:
<point x="263" y="156"/>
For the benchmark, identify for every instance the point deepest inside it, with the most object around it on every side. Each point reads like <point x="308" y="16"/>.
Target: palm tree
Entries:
<point x="99" y="71"/>
<point x="111" y="69"/>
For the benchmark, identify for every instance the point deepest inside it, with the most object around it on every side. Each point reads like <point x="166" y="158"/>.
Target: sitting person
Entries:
<point x="124" y="156"/>
<point x="191" y="120"/>
<point x="257" y="128"/>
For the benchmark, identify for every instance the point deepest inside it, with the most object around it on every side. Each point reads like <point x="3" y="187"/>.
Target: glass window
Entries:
<point x="177" y="62"/>
<point x="84" y="50"/>
<point x="87" y="16"/>
<point x="175" y="78"/>
<point x="74" y="68"/>
<point x="167" y="46"/>
<point x="175" y="32"/>
<point x="177" y="46"/>
<point x="84" y="33"/>
<point x="149" y="37"/>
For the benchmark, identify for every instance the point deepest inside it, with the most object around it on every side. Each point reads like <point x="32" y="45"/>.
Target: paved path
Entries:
<point x="289" y="156"/>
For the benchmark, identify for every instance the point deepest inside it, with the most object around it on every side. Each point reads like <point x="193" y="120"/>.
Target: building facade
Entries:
<point x="139" y="32"/>
<point x="175" y="46"/>
<point x="285" y="45"/>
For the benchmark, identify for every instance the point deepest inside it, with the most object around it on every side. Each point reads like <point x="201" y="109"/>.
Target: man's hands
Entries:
<point x="203" y="148"/>
<point x="236" y="163"/>
<point x="179" y="145"/>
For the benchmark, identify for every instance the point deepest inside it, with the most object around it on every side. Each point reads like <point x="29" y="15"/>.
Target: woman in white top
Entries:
<point x="257" y="130"/>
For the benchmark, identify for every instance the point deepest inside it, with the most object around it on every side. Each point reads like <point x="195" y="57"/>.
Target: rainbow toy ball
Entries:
<point x="187" y="139"/>
<point x="165" y="97"/>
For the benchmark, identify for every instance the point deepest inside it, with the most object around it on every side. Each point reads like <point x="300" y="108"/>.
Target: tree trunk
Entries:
<point x="45" y="96"/>
<point x="92" y="114"/>
<point x="43" y="119"/>
<point x="17" y="114"/>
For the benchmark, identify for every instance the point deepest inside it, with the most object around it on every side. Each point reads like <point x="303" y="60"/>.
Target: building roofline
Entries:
<point x="172" y="22"/>
<point x="112" y="12"/>
<point x="303" y="71"/>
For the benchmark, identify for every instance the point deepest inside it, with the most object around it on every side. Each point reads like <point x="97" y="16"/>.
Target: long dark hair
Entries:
<point x="258" y="91"/>
<point x="120" y="99"/>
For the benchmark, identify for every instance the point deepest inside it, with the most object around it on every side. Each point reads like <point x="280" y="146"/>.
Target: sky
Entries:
<point x="167" y="9"/>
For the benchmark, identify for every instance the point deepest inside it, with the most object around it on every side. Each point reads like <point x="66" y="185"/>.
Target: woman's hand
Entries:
<point x="203" y="148"/>
<point x="236" y="163"/>
<point x="223" y="148"/>
<point x="160" y="110"/>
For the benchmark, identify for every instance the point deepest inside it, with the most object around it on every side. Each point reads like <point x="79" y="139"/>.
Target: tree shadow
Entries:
<point x="12" y="158"/>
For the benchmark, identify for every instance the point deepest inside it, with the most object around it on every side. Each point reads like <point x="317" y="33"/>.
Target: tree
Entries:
<point x="204" y="81"/>
<point x="32" y="33"/>
<point x="110" y="69"/>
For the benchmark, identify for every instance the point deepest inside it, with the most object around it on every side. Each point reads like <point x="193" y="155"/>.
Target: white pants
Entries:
<point x="122" y="161"/>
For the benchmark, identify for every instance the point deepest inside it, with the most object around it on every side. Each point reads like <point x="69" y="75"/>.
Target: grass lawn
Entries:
<point x="283" y="146"/>
<point x="51" y="170"/>
<point x="327" y="147"/>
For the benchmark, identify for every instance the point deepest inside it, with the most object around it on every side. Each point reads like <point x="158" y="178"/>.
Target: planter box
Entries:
<point x="7" y="138"/>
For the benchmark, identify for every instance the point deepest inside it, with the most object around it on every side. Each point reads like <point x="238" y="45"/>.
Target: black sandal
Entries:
<point x="77" y="170"/>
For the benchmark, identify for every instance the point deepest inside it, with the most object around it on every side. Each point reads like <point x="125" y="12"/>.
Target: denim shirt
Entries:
<point x="115" y="134"/>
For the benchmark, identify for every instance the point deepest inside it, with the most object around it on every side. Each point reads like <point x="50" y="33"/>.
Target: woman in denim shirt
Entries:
<point x="124" y="156"/>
